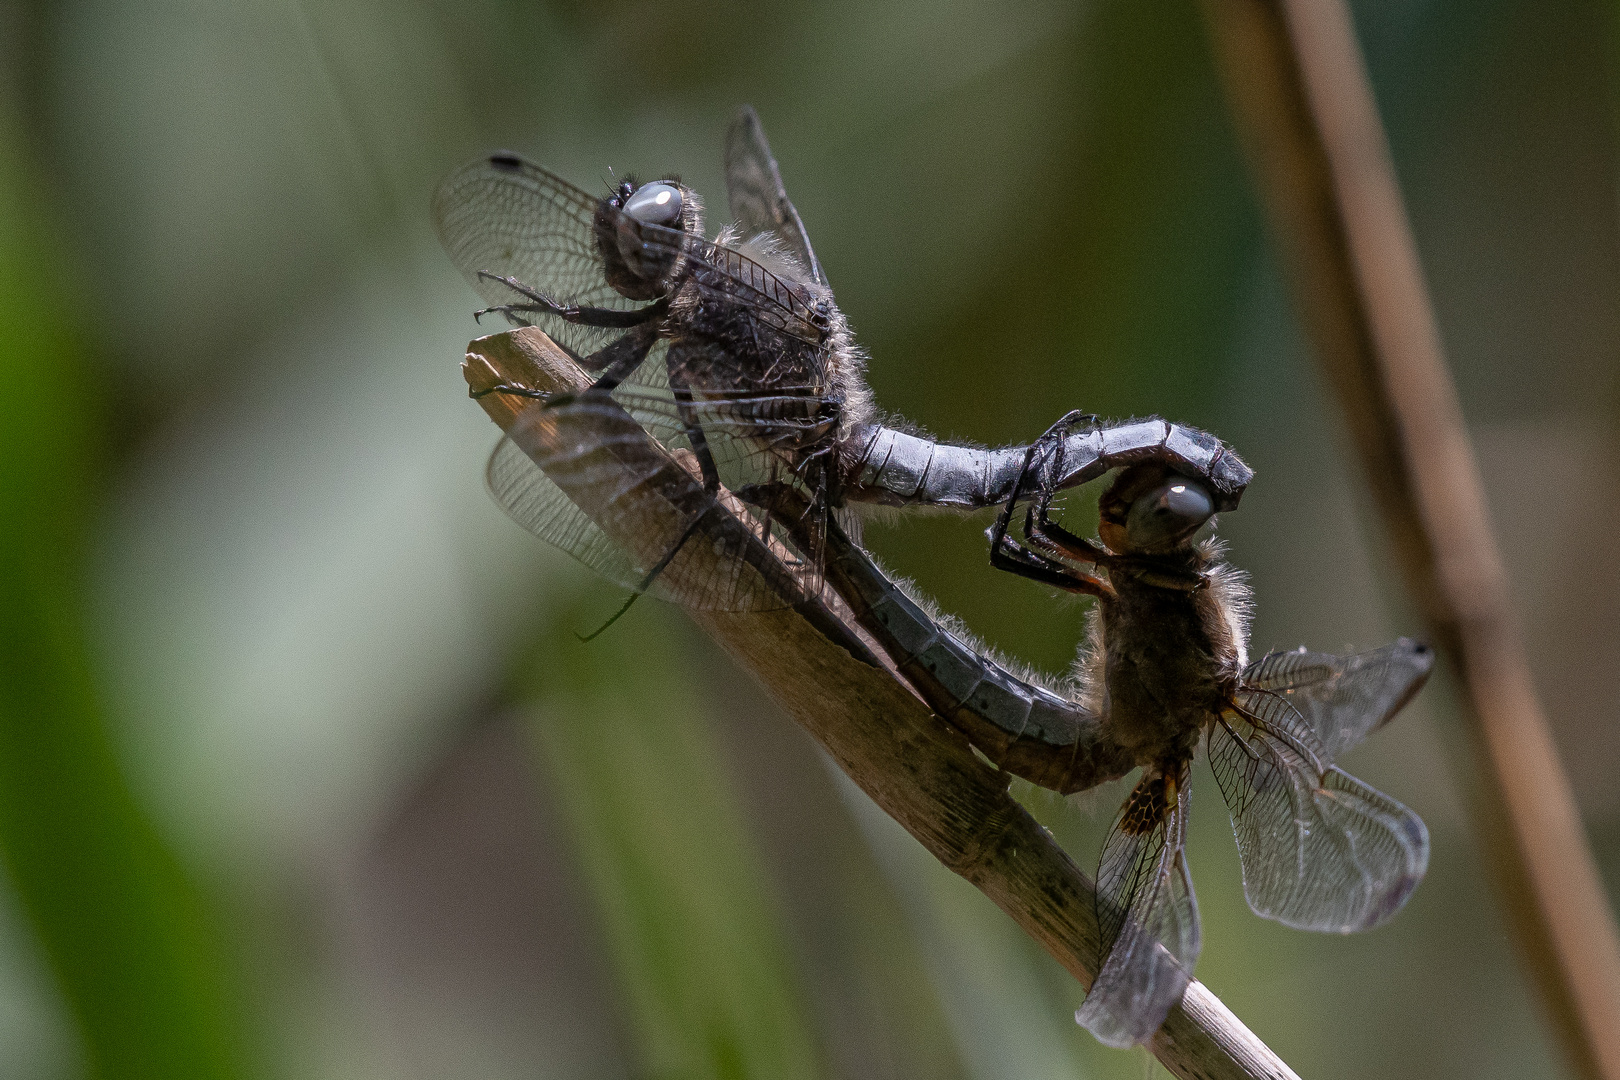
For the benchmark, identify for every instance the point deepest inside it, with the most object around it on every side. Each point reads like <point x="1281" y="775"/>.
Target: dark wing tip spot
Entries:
<point x="1420" y="650"/>
<point x="506" y="162"/>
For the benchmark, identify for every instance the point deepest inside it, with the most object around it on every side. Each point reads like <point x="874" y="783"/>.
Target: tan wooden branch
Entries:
<point x="918" y="769"/>
<point x="1305" y="110"/>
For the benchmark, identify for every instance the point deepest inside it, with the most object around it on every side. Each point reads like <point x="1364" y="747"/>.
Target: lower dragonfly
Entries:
<point x="1167" y="666"/>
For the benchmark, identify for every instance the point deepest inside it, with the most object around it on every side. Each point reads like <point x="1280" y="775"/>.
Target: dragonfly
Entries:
<point x="731" y="350"/>
<point x="1166" y="667"/>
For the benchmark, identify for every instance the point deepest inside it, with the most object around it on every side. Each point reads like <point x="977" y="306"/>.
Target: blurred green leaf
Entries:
<point x="666" y="850"/>
<point x="125" y="932"/>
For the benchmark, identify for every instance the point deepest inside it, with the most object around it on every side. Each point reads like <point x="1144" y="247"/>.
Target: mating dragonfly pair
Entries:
<point x="732" y="353"/>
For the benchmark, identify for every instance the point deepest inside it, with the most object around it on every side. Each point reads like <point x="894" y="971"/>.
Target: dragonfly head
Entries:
<point x="640" y="234"/>
<point x="1151" y="511"/>
<point x="657" y="203"/>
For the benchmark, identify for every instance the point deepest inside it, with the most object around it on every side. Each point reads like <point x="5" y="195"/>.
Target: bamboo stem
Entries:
<point x="913" y="765"/>
<point x="1304" y="108"/>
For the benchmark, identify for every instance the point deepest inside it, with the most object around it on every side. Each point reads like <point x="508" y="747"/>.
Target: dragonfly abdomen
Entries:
<point x="1024" y="729"/>
<point x="891" y="468"/>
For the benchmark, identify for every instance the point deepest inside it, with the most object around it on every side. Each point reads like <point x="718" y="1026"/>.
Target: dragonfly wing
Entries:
<point x="749" y="445"/>
<point x="728" y="276"/>
<point x="1342" y="699"/>
<point x="758" y="199"/>
<point x="582" y="472"/>
<point x="1320" y="849"/>
<point x="530" y="498"/>
<point x="508" y="217"/>
<point x="1147" y="915"/>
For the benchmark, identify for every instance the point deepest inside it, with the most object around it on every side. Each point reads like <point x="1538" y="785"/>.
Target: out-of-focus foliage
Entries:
<point x="120" y="926"/>
<point x="705" y="974"/>
<point x="295" y="727"/>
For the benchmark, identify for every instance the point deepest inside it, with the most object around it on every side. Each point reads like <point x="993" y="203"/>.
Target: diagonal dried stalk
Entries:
<point x="913" y="765"/>
<point x="1299" y="92"/>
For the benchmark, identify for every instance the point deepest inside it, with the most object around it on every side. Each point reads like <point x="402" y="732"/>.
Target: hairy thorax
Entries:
<point x="1171" y="659"/>
<point x="727" y="350"/>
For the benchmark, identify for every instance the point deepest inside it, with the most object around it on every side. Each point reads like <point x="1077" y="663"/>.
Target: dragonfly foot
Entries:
<point x="515" y="390"/>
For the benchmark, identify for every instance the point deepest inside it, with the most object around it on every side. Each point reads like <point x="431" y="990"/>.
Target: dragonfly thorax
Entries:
<point x="1170" y="656"/>
<point x="1173" y="635"/>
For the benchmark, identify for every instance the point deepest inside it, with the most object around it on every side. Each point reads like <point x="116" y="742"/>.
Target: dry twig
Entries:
<point x="1304" y="108"/>
<point x="918" y="769"/>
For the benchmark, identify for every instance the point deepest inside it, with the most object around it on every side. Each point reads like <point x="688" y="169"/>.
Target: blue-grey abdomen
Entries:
<point x="1025" y="729"/>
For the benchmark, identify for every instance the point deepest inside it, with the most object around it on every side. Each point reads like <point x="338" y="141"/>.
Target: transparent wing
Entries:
<point x="723" y="274"/>
<point x="1340" y="699"/>
<point x="1147" y="915"/>
<point x="1320" y="849"/>
<point x="540" y="506"/>
<point x="567" y="467"/>
<point x="509" y="217"/>
<point x="758" y="200"/>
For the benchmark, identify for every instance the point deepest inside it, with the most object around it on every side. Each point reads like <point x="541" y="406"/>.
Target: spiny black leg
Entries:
<point x="1017" y="558"/>
<point x="698" y="440"/>
<point x="652" y="575"/>
<point x="509" y="388"/>
<point x="1058" y="436"/>
<point x="508" y="312"/>
<point x="1066" y="544"/>
<point x="1058" y="432"/>
<point x="1040" y="507"/>
<point x="660" y="566"/>
<point x="1036" y="567"/>
<point x="1040" y="529"/>
<point x="616" y="360"/>
<point x="1043" y="532"/>
<point x="807" y="521"/>
<point x="998" y="531"/>
<point x="609" y="318"/>
<point x="689" y="421"/>
<point x="820" y="516"/>
<point x="615" y="617"/>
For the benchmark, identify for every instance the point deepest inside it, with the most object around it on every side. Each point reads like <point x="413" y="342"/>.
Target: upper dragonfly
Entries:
<point x="1167" y="666"/>
<point x="732" y="349"/>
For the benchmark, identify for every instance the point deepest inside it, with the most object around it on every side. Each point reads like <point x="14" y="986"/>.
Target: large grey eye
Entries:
<point x="655" y="204"/>
<point x="1168" y="514"/>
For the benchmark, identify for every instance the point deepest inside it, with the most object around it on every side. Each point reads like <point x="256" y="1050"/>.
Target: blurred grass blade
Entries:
<point x="668" y="856"/>
<point x="124" y="932"/>
<point x="1167" y="233"/>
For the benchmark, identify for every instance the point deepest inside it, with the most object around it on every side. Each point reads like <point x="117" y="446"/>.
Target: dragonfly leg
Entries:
<point x="509" y="388"/>
<point x="1022" y="558"/>
<point x="676" y="365"/>
<point x="1040" y="530"/>
<point x="584" y="315"/>
<point x="1015" y="558"/>
<point x="998" y="531"/>
<point x="616" y="360"/>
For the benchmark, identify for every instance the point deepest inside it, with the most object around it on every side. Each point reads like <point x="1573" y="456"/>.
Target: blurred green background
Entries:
<point x="303" y="773"/>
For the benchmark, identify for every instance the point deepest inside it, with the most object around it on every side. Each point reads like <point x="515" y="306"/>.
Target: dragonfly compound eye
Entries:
<point x="1167" y="514"/>
<point x="655" y="204"/>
